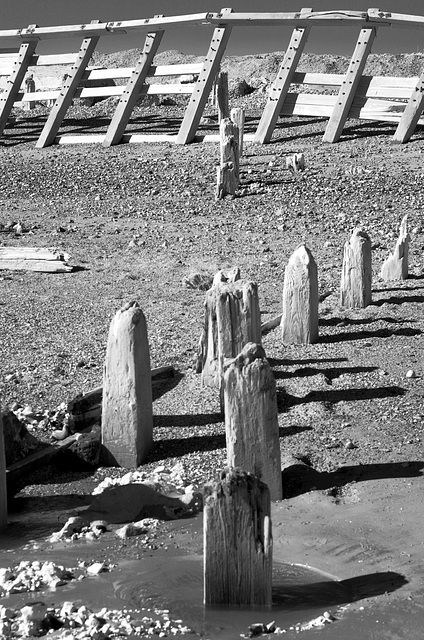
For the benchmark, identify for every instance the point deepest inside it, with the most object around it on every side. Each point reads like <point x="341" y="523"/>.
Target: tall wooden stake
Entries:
<point x="237" y="117"/>
<point x="355" y="289"/>
<point x="3" y="486"/>
<point x="232" y="319"/>
<point x="237" y="541"/>
<point x="396" y="265"/>
<point x="127" y="417"/>
<point x="299" y="321"/>
<point x="222" y="96"/>
<point x="228" y="173"/>
<point x="251" y="418"/>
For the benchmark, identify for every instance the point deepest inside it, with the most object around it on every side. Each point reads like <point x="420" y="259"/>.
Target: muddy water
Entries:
<point x="170" y="577"/>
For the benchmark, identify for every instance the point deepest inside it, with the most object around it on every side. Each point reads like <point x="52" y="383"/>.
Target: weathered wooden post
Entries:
<point x="396" y="265"/>
<point x="3" y="486"/>
<point x="232" y="319"/>
<point x="299" y="321"/>
<point x="222" y="96"/>
<point x="251" y="418"/>
<point x="127" y="416"/>
<point x="237" y="541"/>
<point x="228" y="171"/>
<point x="237" y="117"/>
<point x="355" y="288"/>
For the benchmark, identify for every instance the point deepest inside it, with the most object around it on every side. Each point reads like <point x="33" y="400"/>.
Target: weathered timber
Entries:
<point x="396" y="265"/>
<point x="299" y="321"/>
<point x="204" y="82"/>
<point x="129" y="97"/>
<point x="222" y="96"/>
<point x="19" y="69"/>
<point x="237" y="117"/>
<point x="127" y="416"/>
<point x="237" y="541"/>
<point x="349" y="85"/>
<point x="281" y="85"/>
<point x="355" y="288"/>
<point x="232" y="319"/>
<point x="22" y="469"/>
<point x="3" y="485"/>
<point x="251" y="418"/>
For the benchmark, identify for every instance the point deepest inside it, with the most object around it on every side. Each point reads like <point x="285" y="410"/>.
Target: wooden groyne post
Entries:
<point x="299" y="321"/>
<point x="228" y="174"/>
<point x="127" y="415"/>
<point x="251" y="418"/>
<point x="232" y="319"/>
<point x="237" y="541"/>
<point x="355" y="288"/>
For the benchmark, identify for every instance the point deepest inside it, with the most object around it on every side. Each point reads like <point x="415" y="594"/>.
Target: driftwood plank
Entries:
<point x="47" y="266"/>
<point x="32" y="253"/>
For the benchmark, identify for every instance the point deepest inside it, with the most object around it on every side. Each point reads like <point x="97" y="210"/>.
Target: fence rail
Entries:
<point x="351" y="95"/>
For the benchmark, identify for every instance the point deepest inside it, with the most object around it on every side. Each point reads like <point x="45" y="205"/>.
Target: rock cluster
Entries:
<point x="71" y="621"/>
<point x="33" y="576"/>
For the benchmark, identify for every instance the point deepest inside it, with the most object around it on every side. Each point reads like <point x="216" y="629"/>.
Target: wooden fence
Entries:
<point x="353" y="95"/>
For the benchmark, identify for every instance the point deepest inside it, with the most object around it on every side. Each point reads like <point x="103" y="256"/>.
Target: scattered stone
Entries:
<point x="411" y="374"/>
<point x="96" y="568"/>
<point x="349" y="445"/>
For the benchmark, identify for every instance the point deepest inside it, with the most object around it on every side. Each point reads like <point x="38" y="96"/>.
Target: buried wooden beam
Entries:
<point x="349" y="85"/>
<point x="251" y="418"/>
<point x="204" y="82"/>
<point x="281" y="85"/>
<point x="67" y="92"/>
<point x="127" y="415"/>
<point x="19" y="69"/>
<point x="299" y="321"/>
<point x="132" y="90"/>
<point x="237" y="541"/>
<point x="85" y="409"/>
<point x="355" y="287"/>
<point x="396" y="265"/>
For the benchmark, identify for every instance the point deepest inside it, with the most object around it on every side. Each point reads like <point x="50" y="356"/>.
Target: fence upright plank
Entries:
<point x="20" y="67"/>
<point x="281" y="85"/>
<point x="204" y="82"/>
<point x="131" y="93"/>
<point x="412" y="113"/>
<point x="349" y="85"/>
<point x="67" y="91"/>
